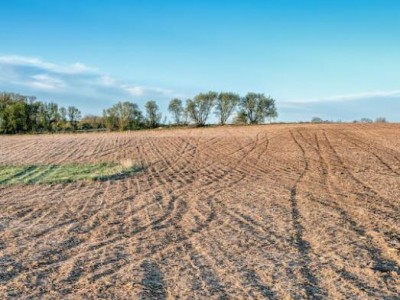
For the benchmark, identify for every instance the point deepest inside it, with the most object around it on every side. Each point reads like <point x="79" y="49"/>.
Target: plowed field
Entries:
<point x="275" y="212"/>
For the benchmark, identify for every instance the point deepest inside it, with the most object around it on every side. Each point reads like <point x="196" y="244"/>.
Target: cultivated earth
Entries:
<point x="278" y="211"/>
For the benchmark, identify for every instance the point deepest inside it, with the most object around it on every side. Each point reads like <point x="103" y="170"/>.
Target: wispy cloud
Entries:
<point x="46" y="82"/>
<point x="347" y="107"/>
<point x="38" y="75"/>
<point x="133" y="90"/>
<point x="23" y="61"/>
<point x="345" y="97"/>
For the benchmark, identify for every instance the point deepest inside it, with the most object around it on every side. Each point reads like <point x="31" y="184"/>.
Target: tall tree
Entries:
<point x="225" y="105"/>
<point x="74" y="115"/>
<point x="122" y="116"/>
<point x="110" y="118"/>
<point x="62" y="123"/>
<point x="257" y="108"/>
<point x="63" y="114"/>
<point x="176" y="109"/>
<point x="200" y="107"/>
<point x="33" y="115"/>
<point x="44" y="117"/>
<point x="54" y="115"/>
<point x="153" y="116"/>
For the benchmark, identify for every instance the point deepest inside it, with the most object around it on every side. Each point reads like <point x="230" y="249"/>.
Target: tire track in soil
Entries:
<point x="205" y="273"/>
<point x="185" y="238"/>
<point x="368" y="150"/>
<point x="251" y="282"/>
<point x="214" y="195"/>
<point x="189" y="229"/>
<point x="348" y="223"/>
<point x="370" y="191"/>
<point x="155" y="224"/>
<point x="392" y="152"/>
<point x="377" y="211"/>
<point x="152" y="282"/>
<point x="312" y="288"/>
<point x="337" y="194"/>
<point x="61" y="255"/>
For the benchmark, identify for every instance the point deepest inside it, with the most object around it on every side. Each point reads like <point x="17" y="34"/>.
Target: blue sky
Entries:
<point x="334" y="59"/>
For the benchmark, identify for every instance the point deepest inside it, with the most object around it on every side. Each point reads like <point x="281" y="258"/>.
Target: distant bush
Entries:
<point x="380" y="120"/>
<point x="366" y="120"/>
<point x="240" y="118"/>
<point x="317" y="120"/>
<point x="91" y="122"/>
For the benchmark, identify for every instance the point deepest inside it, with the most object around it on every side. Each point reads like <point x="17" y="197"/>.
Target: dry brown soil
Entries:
<point x="275" y="212"/>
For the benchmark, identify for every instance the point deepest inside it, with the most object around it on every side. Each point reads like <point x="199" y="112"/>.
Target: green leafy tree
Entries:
<point x="15" y="117"/>
<point x="199" y="108"/>
<point x="225" y="105"/>
<point x="176" y="109"/>
<point x="122" y="116"/>
<point x="15" y="113"/>
<point x="257" y="108"/>
<point x="20" y="114"/>
<point x="33" y="115"/>
<point x="153" y="116"/>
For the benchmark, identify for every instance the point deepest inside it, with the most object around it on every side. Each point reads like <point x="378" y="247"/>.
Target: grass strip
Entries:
<point x="64" y="173"/>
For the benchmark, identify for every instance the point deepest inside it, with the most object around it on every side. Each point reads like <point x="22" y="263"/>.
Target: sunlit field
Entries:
<point x="278" y="211"/>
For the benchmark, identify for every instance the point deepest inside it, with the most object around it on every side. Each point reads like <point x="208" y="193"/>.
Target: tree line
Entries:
<point x="25" y="114"/>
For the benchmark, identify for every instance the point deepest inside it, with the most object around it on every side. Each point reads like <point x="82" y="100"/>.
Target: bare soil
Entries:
<point x="275" y="212"/>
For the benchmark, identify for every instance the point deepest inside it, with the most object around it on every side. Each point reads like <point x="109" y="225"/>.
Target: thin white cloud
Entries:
<point x="144" y="90"/>
<point x="46" y="82"/>
<point x="346" y="97"/>
<point x="133" y="90"/>
<point x="16" y="60"/>
<point x="106" y="80"/>
<point x="77" y="78"/>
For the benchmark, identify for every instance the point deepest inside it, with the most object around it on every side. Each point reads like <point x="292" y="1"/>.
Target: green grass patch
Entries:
<point x="65" y="173"/>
